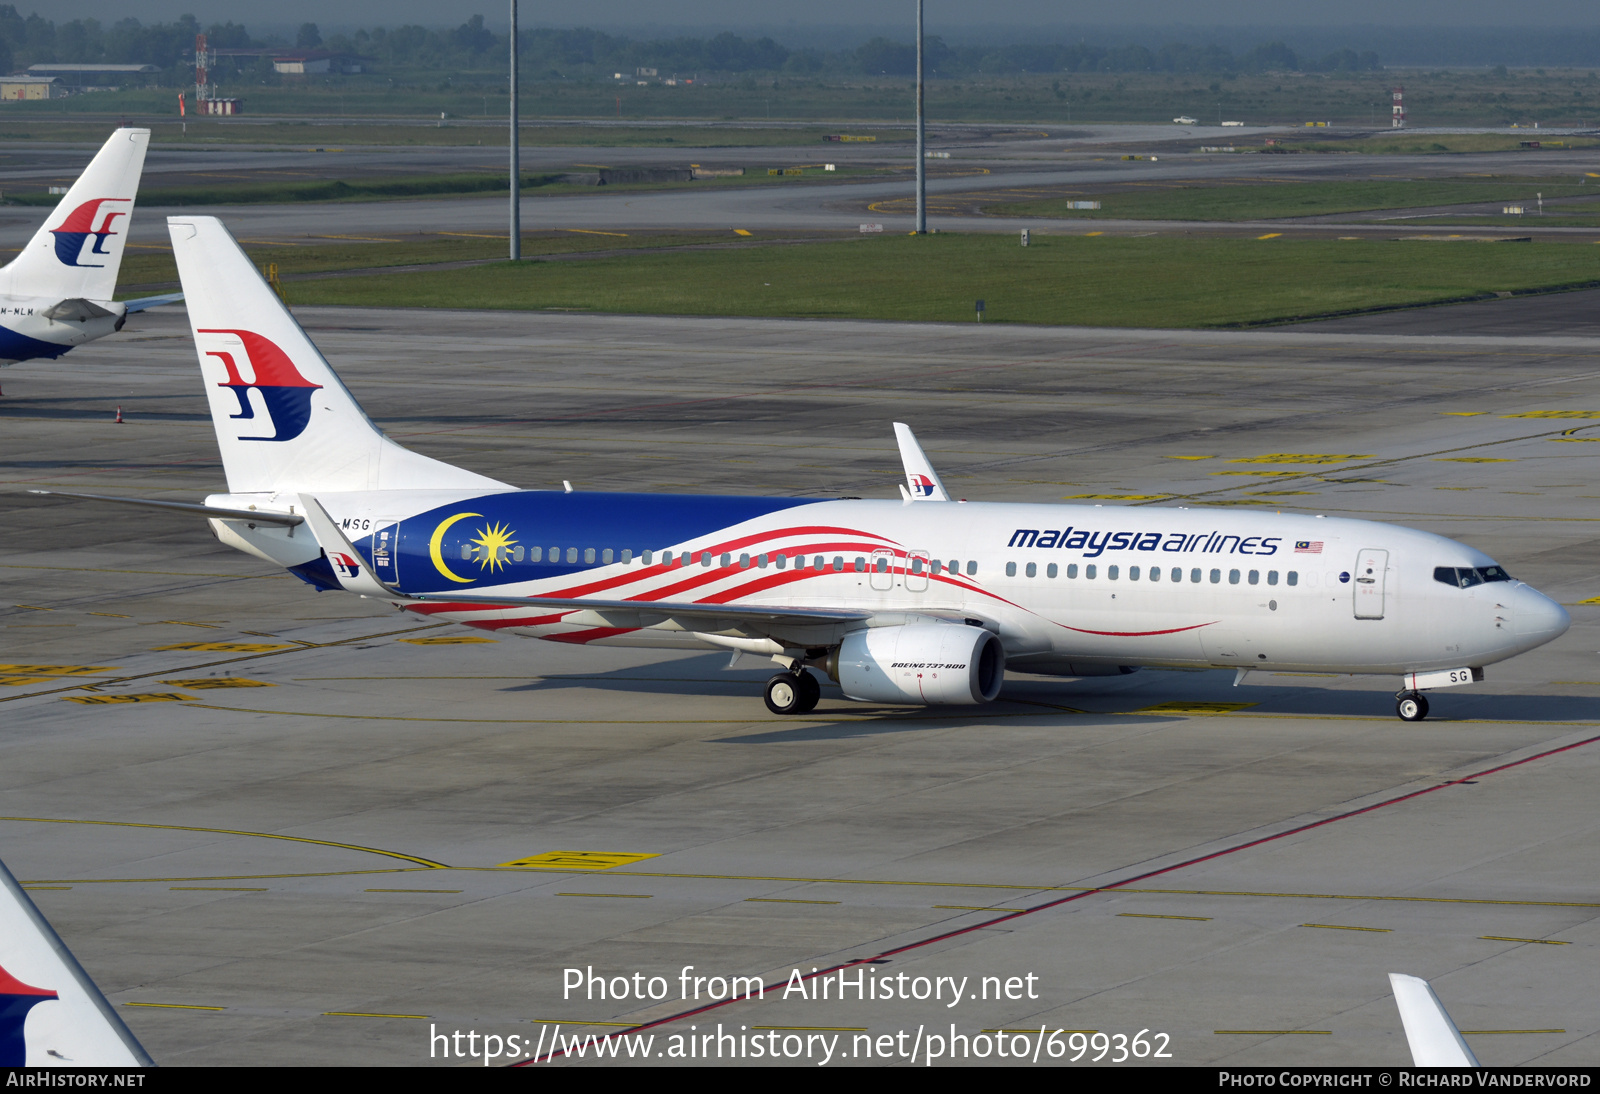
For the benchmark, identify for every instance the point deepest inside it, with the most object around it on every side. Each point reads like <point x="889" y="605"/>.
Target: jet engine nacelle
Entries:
<point x="927" y="663"/>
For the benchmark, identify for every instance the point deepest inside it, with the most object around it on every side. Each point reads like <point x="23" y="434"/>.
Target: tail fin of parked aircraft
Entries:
<point x="1432" y="1036"/>
<point x="284" y="421"/>
<point x="78" y="251"/>
<point x="51" y="1013"/>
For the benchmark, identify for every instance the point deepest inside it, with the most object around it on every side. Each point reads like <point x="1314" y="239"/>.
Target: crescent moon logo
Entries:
<point x="437" y="539"/>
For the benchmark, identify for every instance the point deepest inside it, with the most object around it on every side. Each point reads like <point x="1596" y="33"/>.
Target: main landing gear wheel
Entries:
<point x="1412" y="706"/>
<point x="792" y="693"/>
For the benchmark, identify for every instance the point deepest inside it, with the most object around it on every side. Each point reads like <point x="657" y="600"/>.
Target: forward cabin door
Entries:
<point x="917" y="571"/>
<point x="1371" y="566"/>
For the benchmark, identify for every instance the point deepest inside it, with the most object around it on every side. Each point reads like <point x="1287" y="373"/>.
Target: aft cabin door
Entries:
<point x="386" y="551"/>
<point x="1371" y="565"/>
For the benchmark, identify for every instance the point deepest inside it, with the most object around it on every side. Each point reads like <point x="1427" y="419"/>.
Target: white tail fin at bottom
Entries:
<point x="1430" y="1032"/>
<point x="51" y="1013"/>
<point x="284" y="421"/>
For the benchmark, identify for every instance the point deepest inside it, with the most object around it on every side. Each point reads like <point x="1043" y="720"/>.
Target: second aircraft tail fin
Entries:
<point x="78" y="251"/>
<point x="284" y="421"/>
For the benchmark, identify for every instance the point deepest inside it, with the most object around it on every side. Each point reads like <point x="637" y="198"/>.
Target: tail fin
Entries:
<point x="78" y="251"/>
<point x="1430" y="1033"/>
<point x="284" y="422"/>
<point x="51" y="1013"/>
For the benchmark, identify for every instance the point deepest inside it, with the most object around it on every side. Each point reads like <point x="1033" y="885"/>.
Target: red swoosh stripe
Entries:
<point x="1139" y="634"/>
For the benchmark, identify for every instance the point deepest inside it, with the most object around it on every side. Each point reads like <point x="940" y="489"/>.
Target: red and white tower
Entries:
<point x="202" y="65"/>
<point x="1399" y="96"/>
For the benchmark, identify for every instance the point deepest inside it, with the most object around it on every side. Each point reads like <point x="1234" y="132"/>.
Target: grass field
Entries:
<point x="1433" y="143"/>
<point x="1296" y="199"/>
<point x="1075" y="280"/>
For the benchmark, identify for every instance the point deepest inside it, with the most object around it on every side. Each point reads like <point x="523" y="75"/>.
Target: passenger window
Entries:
<point x="516" y="554"/>
<point x="644" y="558"/>
<point x="954" y="566"/>
<point x="881" y="564"/>
<point x="1194" y="575"/>
<point x="705" y="558"/>
<point x="1293" y="577"/>
<point x="1050" y="570"/>
<point x="838" y="562"/>
<point x="627" y="555"/>
<point x="1177" y="574"/>
<point x="781" y="561"/>
<point x="1272" y="577"/>
<point x="535" y="554"/>
<point x="1111" y="573"/>
<point x="744" y="560"/>
<point x="1255" y="575"/>
<point x="1133" y="573"/>
<point x="588" y="554"/>
<point x="818" y="563"/>
<point x="1033" y="569"/>
<point x="861" y="565"/>
<point x="761" y="562"/>
<point x="606" y="556"/>
<point x="466" y="548"/>
<point x="916" y="563"/>
<point x="1088" y="573"/>
<point x="972" y="568"/>
<point x="1233" y="577"/>
<point x="1155" y="573"/>
<point x="1072" y="567"/>
<point x="572" y="554"/>
<point x="1216" y="577"/>
<point x="727" y="560"/>
<point x="933" y="567"/>
<point x="1011" y="567"/>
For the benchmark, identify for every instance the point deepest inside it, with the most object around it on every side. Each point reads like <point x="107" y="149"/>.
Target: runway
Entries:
<point x="278" y="826"/>
<point x="981" y="163"/>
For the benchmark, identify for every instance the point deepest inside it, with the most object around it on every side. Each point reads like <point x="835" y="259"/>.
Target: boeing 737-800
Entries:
<point x="57" y="293"/>
<point x="921" y="600"/>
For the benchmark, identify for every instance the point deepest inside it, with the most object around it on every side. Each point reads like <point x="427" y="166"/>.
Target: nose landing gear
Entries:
<point x="1412" y="706"/>
<point x="793" y="693"/>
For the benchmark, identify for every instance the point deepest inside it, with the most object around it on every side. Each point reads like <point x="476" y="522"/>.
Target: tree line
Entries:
<point x="581" y="52"/>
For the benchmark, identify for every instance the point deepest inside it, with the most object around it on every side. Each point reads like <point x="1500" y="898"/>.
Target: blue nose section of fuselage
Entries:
<point x="1536" y="618"/>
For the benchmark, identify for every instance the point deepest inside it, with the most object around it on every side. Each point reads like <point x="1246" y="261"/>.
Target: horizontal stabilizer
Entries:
<point x="922" y="481"/>
<point x="144" y="303"/>
<point x="1432" y="1035"/>
<point x="288" y="520"/>
<point x="51" y="1013"/>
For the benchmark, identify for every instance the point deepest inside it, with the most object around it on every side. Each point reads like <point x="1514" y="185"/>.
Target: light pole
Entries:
<point x="516" y="163"/>
<point x="922" y="157"/>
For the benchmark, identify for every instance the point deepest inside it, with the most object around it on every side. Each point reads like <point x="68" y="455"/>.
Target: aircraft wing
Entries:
<point x="146" y="302"/>
<point x="1433" y="1037"/>
<point x="51" y="1013"/>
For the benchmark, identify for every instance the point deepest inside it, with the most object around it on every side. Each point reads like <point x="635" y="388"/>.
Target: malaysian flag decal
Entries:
<point x="1308" y="546"/>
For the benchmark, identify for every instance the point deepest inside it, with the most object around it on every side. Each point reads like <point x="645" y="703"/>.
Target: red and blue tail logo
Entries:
<point x="16" y="1000"/>
<point x="80" y="225"/>
<point x="286" y="393"/>
<point x="922" y="486"/>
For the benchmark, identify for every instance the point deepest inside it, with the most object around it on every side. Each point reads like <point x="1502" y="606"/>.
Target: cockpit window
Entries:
<point x="1465" y="577"/>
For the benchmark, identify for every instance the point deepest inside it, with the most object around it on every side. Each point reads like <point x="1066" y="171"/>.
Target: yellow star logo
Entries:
<point x="494" y="546"/>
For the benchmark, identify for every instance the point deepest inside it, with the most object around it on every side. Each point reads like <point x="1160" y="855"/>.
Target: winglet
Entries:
<point x="55" y="1016"/>
<point x="1433" y="1037"/>
<point x="348" y="566"/>
<point x="922" y="481"/>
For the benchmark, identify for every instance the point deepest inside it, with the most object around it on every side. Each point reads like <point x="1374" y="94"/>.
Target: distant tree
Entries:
<point x="309" y="37"/>
<point x="1270" y="57"/>
<point x="472" y="37"/>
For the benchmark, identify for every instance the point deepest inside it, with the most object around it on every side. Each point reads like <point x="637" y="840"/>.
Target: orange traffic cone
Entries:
<point x="119" y="416"/>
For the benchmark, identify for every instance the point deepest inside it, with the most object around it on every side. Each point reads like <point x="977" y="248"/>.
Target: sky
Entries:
<point x="943" y="16"/>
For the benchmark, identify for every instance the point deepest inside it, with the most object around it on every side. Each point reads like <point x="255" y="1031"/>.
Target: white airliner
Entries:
<point x="51" y="1013"/>
<point x="57" y="293"/>
<point x="921" y="600"/>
